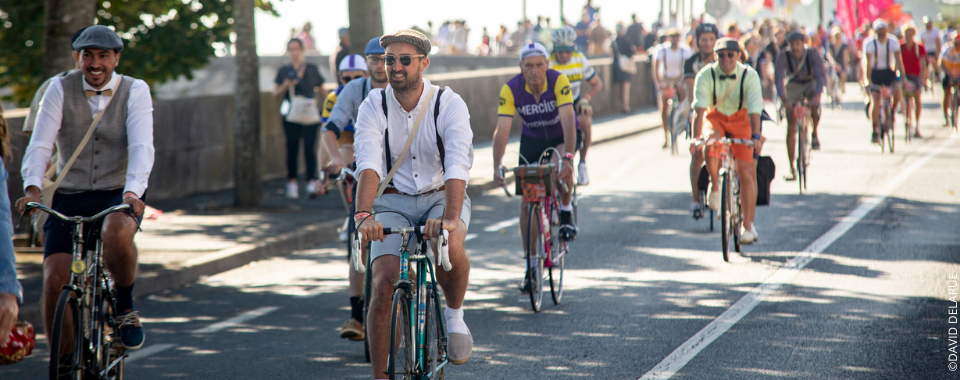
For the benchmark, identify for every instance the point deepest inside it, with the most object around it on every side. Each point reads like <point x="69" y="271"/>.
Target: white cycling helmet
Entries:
<point x="564" y="36"/>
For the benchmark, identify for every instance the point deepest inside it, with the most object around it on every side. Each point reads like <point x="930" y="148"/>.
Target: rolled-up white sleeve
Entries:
<point x="368" y="135"/>
<point x="140" y="150"/>
<point x="457" y="137"/>
<point x="49" y="119"/>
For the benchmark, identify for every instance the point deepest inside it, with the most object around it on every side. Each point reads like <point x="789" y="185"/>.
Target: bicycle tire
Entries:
<point x="366" y="305"/>
<point x="725" y="233"/>
<point x="801" y="156"/>
<point x="433" y="351"/>
<point x="108" y="354"/>
<point x="534" y="256"/>
<point x="400" y="363"/>
<point x="71" y="366"/>
<point x="736" y="211"/>
<point x="556" y="281"/>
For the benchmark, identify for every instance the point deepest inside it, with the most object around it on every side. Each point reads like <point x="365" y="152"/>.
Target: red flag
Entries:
<point x="768" y="4"/>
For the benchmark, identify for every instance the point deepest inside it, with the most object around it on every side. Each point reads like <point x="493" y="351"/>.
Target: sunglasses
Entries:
<point x="728" y="54"/>
<point x="405" y="60"/>
<point x="346" y="79"/>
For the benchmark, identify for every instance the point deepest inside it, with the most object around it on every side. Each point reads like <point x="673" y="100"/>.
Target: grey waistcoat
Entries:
<point x="102" y="165"/>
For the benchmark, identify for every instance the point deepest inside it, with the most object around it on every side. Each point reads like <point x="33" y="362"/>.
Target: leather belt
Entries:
<point x="393" y="190"/>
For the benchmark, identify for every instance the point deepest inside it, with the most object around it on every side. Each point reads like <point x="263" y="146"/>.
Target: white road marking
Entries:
<point x="228" y="323"/>
<point x="148" y="351"/>
<point x="470" y="237"/>
<point x="689" y="349"/>
<point x="504" y="224"/>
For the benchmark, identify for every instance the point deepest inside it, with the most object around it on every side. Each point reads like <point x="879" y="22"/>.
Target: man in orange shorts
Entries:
<point x="730" y="96"/>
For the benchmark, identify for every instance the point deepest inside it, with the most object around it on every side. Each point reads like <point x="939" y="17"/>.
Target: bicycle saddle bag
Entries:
<point x="534" y="182"/>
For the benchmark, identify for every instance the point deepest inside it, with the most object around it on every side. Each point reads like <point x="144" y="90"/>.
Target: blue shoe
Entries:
<point x="131" y="330"/>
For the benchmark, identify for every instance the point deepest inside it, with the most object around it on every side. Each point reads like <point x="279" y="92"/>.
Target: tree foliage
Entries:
<point x="163" y="39"/>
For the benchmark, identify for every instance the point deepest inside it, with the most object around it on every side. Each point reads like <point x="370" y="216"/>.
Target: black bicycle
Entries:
<point x="85" y="341"/>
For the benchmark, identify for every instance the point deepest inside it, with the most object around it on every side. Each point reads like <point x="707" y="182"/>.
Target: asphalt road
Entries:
<point x="848" y="281"/>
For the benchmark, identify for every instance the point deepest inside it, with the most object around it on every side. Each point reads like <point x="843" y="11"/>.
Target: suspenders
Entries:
<point x="386" y="131"/>
<point x="714" y="74"/>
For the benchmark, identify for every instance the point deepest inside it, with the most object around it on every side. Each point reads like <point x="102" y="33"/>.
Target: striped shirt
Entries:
<point x="577" y="70"/>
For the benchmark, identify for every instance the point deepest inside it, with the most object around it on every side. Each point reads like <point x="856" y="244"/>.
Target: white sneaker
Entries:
<point x="311" y="187"/>
<point x="582" y="178"/>
<point x="292" y="192"/>
<point x="713" y="200"/>
<point x="748" y="236"/>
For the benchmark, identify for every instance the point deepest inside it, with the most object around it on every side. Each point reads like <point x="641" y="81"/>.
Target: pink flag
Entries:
<point x="869" y="10"/>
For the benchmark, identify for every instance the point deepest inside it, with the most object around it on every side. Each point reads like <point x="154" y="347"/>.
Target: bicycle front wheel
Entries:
<point x="534" y="257"/>
<point x="66" y="343"/>
<point x="400" y="363"/>
<point x="725" y="217"/>
<point x="801" y="158"/>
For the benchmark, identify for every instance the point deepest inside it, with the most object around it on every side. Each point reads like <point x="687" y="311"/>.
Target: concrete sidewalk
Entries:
<point x="203" y="234"/>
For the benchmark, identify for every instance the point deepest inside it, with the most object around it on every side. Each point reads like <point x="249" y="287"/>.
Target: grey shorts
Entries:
<point x="796" y="90"/>
<point x="416" y="209"/>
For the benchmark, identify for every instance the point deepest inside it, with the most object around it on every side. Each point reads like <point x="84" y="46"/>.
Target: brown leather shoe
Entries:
<point x="352" y="329"/>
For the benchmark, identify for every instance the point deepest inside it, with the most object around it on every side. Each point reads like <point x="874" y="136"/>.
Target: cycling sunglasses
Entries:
<point x="729" y="54"/>
<point x="347" y="78"/>
<point x="405" y="60"/>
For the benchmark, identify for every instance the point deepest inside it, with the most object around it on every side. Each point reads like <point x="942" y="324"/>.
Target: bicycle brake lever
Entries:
<point x="357" y="255"/>
<point x="444" y="243"/>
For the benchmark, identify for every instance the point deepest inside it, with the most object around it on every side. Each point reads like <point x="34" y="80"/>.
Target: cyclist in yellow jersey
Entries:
<point x="575" y="66"/>
<point x="541" y="96"/>
<point x="950" y="63"/>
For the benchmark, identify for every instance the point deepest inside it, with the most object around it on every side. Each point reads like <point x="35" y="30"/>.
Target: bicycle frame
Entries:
<point x="90" y="282"/>
<point x="417" y="289"/>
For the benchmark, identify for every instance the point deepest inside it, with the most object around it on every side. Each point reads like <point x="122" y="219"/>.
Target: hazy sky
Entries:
<point x="329" y="15"/>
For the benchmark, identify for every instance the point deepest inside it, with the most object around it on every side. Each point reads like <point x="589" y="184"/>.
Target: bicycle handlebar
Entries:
<point x="444" y="243"/>
<point x="79" y="219"/>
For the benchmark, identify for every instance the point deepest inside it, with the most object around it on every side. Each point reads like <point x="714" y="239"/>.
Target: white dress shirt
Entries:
<point x="421" y="170"/>
<point x="139" y="132"/>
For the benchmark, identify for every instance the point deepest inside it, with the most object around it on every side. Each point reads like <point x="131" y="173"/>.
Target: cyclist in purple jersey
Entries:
<point x="543" y="99"/>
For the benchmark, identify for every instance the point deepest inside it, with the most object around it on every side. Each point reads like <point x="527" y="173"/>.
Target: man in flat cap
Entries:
<point x="414" y="147"/>
<point x="729" y="93"/>
<point x="111" y="168"/>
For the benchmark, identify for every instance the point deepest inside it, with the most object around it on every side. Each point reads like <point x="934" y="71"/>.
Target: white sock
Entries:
<point x="566" y="207"/>
<point x="455" y="322"/>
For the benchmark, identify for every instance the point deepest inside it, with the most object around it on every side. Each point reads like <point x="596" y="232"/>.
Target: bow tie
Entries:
<point x="722" y="77"/>
<point x="89" y="93"/>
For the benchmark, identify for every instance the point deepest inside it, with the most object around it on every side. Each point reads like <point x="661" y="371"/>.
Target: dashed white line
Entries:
<point x="689" y="349"/>
<point x="228" y="323"/>
<point x="470" y="237"/>
<point x="148" y="351"/>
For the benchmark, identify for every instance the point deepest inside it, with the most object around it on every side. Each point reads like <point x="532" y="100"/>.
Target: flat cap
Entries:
<point x="726" y="43"/>
<point x="408" y="36"/>
<point x="98" y="37"/>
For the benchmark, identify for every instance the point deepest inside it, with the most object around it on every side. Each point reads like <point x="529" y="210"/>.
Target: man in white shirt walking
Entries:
<point x="114" y="167"/>
<point x="429" y="185"/>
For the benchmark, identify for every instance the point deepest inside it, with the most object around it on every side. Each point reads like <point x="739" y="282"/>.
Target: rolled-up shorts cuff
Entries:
<point x="399" y="210"/>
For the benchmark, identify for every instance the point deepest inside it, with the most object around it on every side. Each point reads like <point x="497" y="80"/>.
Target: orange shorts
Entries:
<point x="735" y="126"/>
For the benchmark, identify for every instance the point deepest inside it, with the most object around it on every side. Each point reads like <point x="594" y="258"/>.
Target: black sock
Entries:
<point x="356" y="308"/>
<point x="124" y="299"/>
<point x="566" y="217"/>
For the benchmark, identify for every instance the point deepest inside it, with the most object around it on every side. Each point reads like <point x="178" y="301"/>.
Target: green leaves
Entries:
<point x="163" y="39"/>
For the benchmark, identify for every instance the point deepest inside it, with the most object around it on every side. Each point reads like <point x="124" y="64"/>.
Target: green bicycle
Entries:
<point x="418" y="338"/>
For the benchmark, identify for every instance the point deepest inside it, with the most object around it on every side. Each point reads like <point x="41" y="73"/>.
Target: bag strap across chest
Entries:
<point x="386" y="132"/>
